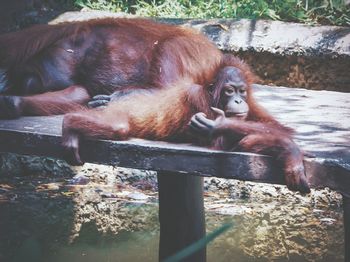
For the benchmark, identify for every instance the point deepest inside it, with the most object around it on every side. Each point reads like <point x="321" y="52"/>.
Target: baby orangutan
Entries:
<point x="239" y="122"/>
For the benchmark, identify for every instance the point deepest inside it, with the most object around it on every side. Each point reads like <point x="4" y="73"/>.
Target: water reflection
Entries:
<point x="102" y="219"/>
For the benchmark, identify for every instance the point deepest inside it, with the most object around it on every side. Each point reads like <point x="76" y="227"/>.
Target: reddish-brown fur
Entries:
<point x="103" y="56"/>
<point x="54" y="69"/>
<point x="165" y="114"/>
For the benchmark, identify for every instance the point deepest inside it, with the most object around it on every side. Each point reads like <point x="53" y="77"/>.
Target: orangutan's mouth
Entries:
<point x="235" y="114"/>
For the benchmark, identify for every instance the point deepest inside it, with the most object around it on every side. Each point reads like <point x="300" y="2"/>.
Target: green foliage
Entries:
<point x="306" y="11"/>
<point x="106" y="5"/>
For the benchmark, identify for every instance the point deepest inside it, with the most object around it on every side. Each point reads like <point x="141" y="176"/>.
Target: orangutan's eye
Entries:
<point x="229" y="91"/>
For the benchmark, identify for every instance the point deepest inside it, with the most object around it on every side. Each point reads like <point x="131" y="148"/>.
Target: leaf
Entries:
<point x="189" y="250"/>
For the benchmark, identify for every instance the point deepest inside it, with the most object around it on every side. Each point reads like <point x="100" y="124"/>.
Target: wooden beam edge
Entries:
<point x="178" y="158"/>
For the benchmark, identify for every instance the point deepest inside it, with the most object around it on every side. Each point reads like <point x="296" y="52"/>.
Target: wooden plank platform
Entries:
<point x="321" y="119"/>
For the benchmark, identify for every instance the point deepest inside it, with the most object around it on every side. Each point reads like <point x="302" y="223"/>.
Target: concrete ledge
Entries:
<point x="231" y="35"/>
<point x="286" y="54"/>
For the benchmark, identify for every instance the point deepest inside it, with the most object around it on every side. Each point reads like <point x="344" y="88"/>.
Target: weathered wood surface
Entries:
<point x="321" y="119"/>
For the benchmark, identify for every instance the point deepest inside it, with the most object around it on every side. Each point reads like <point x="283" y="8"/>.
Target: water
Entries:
<point x="42" y="221"/>
<point x="254" y="237"/>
